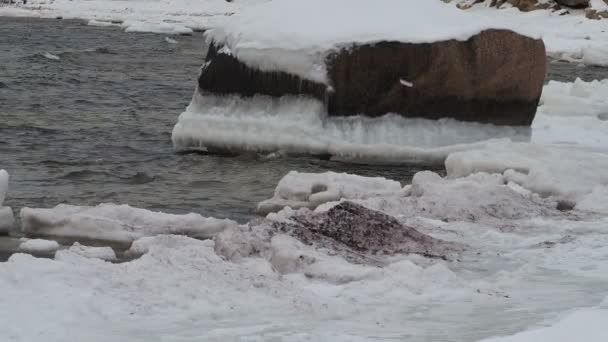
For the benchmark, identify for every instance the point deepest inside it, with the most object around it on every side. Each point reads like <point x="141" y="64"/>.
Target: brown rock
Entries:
<point x="494" y="77"/>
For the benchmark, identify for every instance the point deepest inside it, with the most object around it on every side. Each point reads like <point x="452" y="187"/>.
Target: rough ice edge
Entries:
<point x="278" y="35"/>
<point x="102" y="253"/>
<point x="541" y="169"/>
<point x="119" y="223"/>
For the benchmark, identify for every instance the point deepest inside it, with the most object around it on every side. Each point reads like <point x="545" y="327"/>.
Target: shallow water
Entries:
<point x="95" y="125"/>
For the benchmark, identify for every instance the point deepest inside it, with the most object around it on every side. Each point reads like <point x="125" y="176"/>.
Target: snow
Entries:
<point x="6" y="213"/>
<point x="309" y="190"/>
<point x="540" y="169"/>
<point x="587" y="325"/>
<point x="103" y="253"/>
<point x="120" y="223"/>
<point x="278" y="35"/>
<point x="39" y="245"/>
<point x="576" y="98"/>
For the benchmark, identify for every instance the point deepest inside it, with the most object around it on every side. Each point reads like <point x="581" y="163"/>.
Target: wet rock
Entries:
<point x="354" y="229"/>
<point x="494" y="77"/>
<point x="574" y="3"/>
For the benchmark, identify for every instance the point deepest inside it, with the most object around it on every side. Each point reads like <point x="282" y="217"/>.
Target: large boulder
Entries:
<point x="495" y="77"/>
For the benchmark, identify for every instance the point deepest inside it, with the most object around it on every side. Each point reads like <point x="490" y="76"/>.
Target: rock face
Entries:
<point x="494" y="77"/>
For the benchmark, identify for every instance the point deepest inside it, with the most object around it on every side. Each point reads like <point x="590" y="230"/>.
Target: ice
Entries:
<point x="6" y="213"/>
<point x="587" y="325"/>
<point x="170" y="40"/>
<point x="541" y="169"/>
<point x="39" y="245"/>
<point x="166" y="28"/>
<point x="94" y="22"/>
<point x="309" y="190"/>
<point x="297" y="125"/>
<point x="120" y="223"/>
<point x="584" y="41"/>
<point x="278" y="35"/>
<point x="578" y="98"/>
<point x="102" y="253"/>
<point x="50" y="56"/>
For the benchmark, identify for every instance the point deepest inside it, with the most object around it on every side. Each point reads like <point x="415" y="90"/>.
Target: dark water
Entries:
<point x="95" y="125"/>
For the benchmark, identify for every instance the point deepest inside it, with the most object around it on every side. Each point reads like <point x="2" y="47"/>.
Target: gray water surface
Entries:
<point x="95" y="125"/>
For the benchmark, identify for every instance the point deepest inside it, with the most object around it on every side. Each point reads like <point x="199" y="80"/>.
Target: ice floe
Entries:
<point x="110" y="222"/>
<point x="39" y="245"/>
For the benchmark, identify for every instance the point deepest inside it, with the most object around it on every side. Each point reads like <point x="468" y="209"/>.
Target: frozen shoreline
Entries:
<point x="526" y="265"/>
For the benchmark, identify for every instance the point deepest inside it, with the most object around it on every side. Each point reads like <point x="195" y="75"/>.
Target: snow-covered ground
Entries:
<point x="527" y="212"/>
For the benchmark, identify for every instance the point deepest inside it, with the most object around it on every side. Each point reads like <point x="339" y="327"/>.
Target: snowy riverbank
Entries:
<point x="570" y="37"/>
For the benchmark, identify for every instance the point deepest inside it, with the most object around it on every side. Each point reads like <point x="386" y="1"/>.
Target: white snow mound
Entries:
<point x="120" y="223"/>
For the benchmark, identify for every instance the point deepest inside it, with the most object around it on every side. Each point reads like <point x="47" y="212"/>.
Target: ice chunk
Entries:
<point x="541" y="169"/>
<point x="170" y="40"/>
<point x="103" y="253"/>
<point x="6" y="214"/>
<point x="145" y="244"/>
<point x="578" y="98"/>
<point x="120" y="223"/>
<point x="39" y="245"/>
<point x="309" y="190"/>
<point x="49" y="55"/>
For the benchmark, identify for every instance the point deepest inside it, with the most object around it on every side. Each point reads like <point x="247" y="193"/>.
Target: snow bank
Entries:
<point x="298" y="125"/>
<point x="309" y="190"/>
<point x="39" y="245"/>
<point x="578" y="98"/>
<point x="111" y="222"/>
<point x="587" y="325"/>
<point x="6" y="213"/>
<point x="280" y="36"/>
<point x="570" y="174"/>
